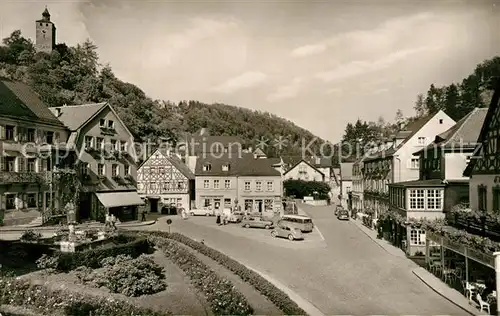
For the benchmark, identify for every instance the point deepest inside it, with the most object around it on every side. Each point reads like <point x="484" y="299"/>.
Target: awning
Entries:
<point x="117" y="199"/>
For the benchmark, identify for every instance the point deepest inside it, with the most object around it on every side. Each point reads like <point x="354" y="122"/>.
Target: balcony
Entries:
<point x="23" y="177"/>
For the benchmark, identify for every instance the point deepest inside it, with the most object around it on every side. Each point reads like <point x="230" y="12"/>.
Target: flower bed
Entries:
<point x="223" y="298"/>
<point x="50" y="302"/>
<point x="275" y="295"/>
<point x="120" y="245"/>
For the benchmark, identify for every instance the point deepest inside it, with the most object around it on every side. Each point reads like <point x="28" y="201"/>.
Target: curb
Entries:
<point x="51" y="228"/>
<point x="466" y="309"/>
<point x="358" y="225"/>
<point x="307" y="306"/>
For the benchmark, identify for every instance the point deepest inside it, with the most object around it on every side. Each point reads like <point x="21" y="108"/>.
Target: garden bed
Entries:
<point x="275" y="295"/>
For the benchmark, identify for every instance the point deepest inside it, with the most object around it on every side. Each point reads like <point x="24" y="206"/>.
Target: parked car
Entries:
<point x="256" y="222"/>
<point x="202" y="212"/>
<point x="235" y="217"/>
<point x="286" y="231"/>
<point x="343" y="215"/>
<point x="337" y="209"/>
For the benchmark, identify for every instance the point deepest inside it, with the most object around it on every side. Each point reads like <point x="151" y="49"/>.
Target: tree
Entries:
<point x="452" y="101"/>
<point x="17" y="49"/>
<point x="420" y="106"/>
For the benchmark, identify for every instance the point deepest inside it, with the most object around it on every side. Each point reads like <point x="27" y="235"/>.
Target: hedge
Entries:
<point x="18" y="292"/>
<point x="122" y="245"/>
<point x="266" y="288"/>
<point x="220" y="293"/>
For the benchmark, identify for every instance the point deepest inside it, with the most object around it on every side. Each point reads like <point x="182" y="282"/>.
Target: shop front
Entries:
<point x="122" y="204"/>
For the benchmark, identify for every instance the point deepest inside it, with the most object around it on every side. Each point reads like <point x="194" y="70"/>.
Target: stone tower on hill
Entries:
<point x="45" y="33"/>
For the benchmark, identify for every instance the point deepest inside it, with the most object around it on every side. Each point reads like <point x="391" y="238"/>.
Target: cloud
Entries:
<point x="307" y="50"/>
<point x="246" y="80"/>
<point x="360" y="67"/>
<point x="335" y="91"/>
<point x="175" y="44"/>
<point x="287" y="91"/>
<point x="382" y="35"/>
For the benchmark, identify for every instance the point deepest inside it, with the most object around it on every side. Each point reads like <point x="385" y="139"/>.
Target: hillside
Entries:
<point x="73" y="75"/>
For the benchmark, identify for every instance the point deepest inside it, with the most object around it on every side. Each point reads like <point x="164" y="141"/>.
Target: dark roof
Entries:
<point x="19" y="101"/>
<point x="493" y="108"/>
<point x="198" y="145"/>
<point x="420" y="183"/>
<point x="410" y="130"/>
<point x="464" y="134"/>
<point x="274" y="161"/>
<point x="324" y="162"/>
<point x="239" y="165"/>
<point x="346" y="171"/>
<point x="305" y="161"/>
<point x="75" y="116"/>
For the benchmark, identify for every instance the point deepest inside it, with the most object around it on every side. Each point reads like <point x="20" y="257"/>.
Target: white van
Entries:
<point x="304" y="223"/>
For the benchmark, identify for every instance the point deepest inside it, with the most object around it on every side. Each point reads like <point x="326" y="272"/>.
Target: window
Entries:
<point x="31" y="165"/>
<point x="153" y="170"/>
<point x="102" y="123"/>
<point x="434" y="200"/>
<point x="207" y="167"/>
<point x="180" y="185"/>
<point x="496" y="199"/>
<point x="100" y="169"/>
<point x="31" y="200"/>
<point x="49" y="138"/>
<point x="161" y="170"/>
<point x="206" y="203"/>
<point x="227" y="203"/>
<point x="247" y="185"/>
<point x="414" y="164"/>
<point x="21" y="164"/>
<point x="421" y="140"/>
<point x="225" y="167"/>
<point x="166" y="186"/>
<point x="8" y="164"/>
<point x="258" y="186"/>
<point x="48" y="199"/>
<point x="10" y="201"/>
<point x="482" y="200"/>
<point x="31" y="135"/>
<point x="467" y="158"/>
<point x="126" y="170"/>
<point x="114" y="145"/>
<point x="99" y="142"/>
<point x="417" y="237"/>
<point x="123" y="146"/>
<point x="152" y="186"/>
<point x="302" y="168"/>
<point x="206" y="184"/>
<point x="417" y="199"/>
<point x="88" y="142"/>
<point x="440" y="121"/>
<point x="9" y="132"/>
<point x="248" y="205"/>
<point x="111" y="124"/>
<point x="227" y="184"/>
<point x="216" y="184"/>
<point x="84" y="168"/>
<point x="270" y="186"/>
<point x="114" y="171"/>
<point x="268" y="205"/>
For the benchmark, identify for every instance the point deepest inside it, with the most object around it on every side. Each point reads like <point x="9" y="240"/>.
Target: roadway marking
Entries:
<point x="319" y="232"/>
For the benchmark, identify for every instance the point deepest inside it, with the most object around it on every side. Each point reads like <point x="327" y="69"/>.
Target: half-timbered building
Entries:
<point x="163" y="179"/>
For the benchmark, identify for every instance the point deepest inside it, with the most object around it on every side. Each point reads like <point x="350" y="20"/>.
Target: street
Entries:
<point x="347" y="273"/>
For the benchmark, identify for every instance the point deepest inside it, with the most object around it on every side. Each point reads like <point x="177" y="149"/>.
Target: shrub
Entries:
<point x="122" y="245"/>
<point x="30" y="236"/>
<point x="47" y="262"/>
<point x="18" y="292"/>
<point x="301" y="188"/>
<point x="275" y="295"/>
<point x="127" y="276"/>
<point x="223" y="298"/>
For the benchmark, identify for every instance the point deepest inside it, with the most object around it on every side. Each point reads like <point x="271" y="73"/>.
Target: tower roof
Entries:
<point x="46" y="13"/>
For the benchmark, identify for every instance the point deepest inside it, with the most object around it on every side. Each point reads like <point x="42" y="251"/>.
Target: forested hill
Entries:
<point x="73" y="75"/>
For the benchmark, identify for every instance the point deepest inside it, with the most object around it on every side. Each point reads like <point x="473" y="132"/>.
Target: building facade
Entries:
<point x="304" y="171"/>
<point x="394" y="160"/>
<point x="106" y="161"/>
<point x="32" y="146"/>
<point x="163" y="179"/>
<point x="248" y="183"/>
<point x="45" y="33"/>
<point x="441" y="185"/>
<point x="356" y="195"/>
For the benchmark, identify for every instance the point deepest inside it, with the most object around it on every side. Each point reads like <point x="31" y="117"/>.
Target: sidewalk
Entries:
<point x="81" y="226"/>
<point x="447" y="292"/>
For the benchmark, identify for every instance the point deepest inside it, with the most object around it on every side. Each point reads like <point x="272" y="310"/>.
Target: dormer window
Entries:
<point x="421" y="140"/>
<point x="225" y="167"/>
<point x="102" y="123"/>
<point x="207" y="167"/>
<point x="111" y="124"/>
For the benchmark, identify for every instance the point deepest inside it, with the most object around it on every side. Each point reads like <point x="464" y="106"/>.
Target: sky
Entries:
<point x="320" y="64"/>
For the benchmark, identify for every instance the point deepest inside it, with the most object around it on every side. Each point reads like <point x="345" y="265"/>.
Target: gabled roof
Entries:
<point x="410" y="130"/>
<point x="346" y="171"/>
<point x="324" y="162"/>
<point x="19" y="101"/>
<point x="176" y="162"/>
<point x="259" y="152"/>
<point x="239" y="165"/>
<point x="494" y="105"/>
<point x="75" y="116"/>
<point x="197" y="145"/>
<point x="463" y="134"/>
<point x="306" y="162"/>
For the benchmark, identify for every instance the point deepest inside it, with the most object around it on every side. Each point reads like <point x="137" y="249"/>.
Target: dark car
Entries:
<point x="343" y="215"/>
<point x="337" y="209"/>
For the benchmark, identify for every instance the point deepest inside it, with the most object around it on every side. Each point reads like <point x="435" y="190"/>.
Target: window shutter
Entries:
<point x="2" y="163"/>
<point x="496" y="191"/>
<point x="2" y="132"/>
<point x="479" y="198"/>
